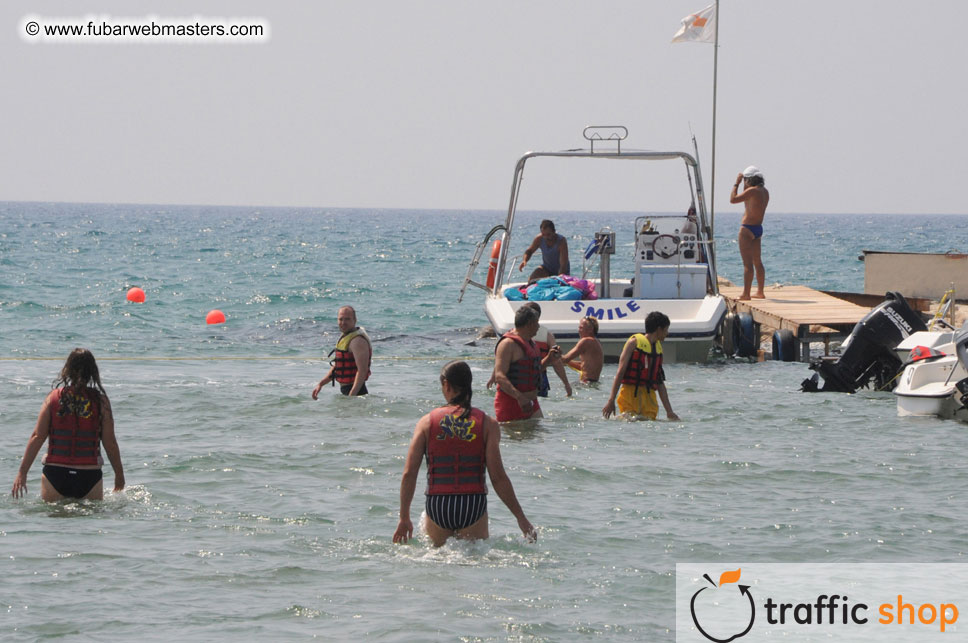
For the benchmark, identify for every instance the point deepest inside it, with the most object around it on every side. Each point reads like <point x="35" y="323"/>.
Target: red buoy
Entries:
<point x="215" y="317"/>
<point x="137" y="295"/>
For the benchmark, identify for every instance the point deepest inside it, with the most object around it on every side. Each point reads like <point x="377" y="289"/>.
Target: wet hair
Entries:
<point x="755" y="180"/>
<point x="458" y="375"/>
<point x="656" y="320"/>
<point x="593" y="322"/>
<point x="535" y="307"/>
<point x="548" y="224"/>
<point x="80" y="372"/>
<point x="524" y="316"/>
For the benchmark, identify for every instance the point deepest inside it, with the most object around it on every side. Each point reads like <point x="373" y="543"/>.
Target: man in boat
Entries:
<point x="755" y="197"/>
<point x="351" y="366"/>
<point x="640" y="373"/>
<point x="517" y="370"/>
<point x="554" y="250"/>
<point x="587" y="356"/>
<point x="691" y="226"/>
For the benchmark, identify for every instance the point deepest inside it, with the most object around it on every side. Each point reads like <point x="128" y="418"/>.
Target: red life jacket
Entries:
<point x="645" y="367"/>
<point x="455" y="452"/>
<point x="75" y="429"/>
<point x="344" y="362"/>
<point x="525" y="373"/>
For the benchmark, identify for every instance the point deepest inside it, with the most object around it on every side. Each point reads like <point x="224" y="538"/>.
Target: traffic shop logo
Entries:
<point x="708" y="603"/>
<point x="726" y="611"/>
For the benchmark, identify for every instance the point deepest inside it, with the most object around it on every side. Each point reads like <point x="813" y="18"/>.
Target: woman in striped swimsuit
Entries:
<point x="459" y="442"/>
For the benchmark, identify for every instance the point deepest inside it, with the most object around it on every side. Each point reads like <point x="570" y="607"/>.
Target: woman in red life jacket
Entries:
<point x="75" y="420"/>
<point x="459" y="442"/>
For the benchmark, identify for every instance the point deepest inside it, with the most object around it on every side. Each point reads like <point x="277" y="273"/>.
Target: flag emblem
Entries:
<point x="698" y="27"/>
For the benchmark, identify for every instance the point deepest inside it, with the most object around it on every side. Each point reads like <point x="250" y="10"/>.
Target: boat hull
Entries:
<point x="922" y="404"/>
<point x="692" y="332"/>
<point x="928" y="387"/>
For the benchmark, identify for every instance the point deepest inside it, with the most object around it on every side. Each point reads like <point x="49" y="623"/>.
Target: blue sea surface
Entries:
<point x="254" y="512"/>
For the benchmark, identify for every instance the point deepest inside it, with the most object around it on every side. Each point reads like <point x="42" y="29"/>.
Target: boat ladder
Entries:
<point x="468" y="279"/>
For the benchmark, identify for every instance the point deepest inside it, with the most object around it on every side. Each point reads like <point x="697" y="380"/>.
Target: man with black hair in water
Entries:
<point x="640" y="373"/>
<point x="517" y="369"/>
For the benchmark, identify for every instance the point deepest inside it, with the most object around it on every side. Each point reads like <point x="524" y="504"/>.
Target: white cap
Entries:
<point x="752" y="171"/>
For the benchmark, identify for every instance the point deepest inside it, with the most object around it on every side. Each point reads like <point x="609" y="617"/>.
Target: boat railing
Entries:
<point x="478" y="252"/>
<point x="605" y="133"/>
<point x="605" y="143"/>
<point x="602" y="251"/>
<point x="511" y="264"/>
<point x="944" y="308"/>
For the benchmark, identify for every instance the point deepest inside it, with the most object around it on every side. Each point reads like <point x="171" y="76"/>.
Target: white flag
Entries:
<point x="698" y="27"/>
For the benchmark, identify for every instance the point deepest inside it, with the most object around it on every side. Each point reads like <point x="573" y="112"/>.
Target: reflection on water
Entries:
<point x="521" y="430"/>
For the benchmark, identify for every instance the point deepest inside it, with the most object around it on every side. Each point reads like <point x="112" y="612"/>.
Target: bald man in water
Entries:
<point x="351" y="368"/>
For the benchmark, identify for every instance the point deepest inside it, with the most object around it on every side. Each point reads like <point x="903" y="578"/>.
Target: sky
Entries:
<point x="846" y="106"/>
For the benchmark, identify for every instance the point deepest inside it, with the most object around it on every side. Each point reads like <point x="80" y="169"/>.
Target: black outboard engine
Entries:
<point x="868" y="353"/>
<point x="961" y="350"/>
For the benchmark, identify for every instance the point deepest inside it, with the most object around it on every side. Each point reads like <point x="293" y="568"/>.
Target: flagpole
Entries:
<point x="712" y="186"/>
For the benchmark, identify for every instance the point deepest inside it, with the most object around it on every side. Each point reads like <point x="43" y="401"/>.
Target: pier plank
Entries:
<point x="808" y="313"/>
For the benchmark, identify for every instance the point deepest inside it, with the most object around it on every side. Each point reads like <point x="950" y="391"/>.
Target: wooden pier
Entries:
<point x="811" y="315"/>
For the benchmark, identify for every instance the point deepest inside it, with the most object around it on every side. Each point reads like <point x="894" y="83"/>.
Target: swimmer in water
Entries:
<point x="354" y="352"/>
<point x="587" y="356"/>
<point x="75" y="420"/>
<point x="459" y="442"/>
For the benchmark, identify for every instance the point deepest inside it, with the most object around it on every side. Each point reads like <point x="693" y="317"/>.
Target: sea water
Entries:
<point x="253" y="512"/>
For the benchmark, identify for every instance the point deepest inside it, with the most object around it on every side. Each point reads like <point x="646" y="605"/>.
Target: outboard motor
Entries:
<point x="868" y="353"/>
<point x="961" y="350"/>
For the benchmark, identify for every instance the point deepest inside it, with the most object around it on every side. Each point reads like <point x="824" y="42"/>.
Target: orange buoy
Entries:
<point x="215" y="317"/>
<point x="137" y="295"/>
<point x="492" y="265"/>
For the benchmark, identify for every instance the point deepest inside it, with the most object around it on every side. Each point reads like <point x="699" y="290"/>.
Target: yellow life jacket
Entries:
<point x="344" y="361"/>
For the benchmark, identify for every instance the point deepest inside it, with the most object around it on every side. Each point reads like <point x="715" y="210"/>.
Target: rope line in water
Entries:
<point x="466" y="358"/>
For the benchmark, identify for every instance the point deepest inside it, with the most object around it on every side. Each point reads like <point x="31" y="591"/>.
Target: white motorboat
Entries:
<point x="674" y="266"/>
<point x="935" y="378"/>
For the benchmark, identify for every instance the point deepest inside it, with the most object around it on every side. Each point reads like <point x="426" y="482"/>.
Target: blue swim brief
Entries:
<point x="757" y="230"/>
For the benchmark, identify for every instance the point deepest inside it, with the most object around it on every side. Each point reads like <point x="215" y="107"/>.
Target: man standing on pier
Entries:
<point x="755" y="197"/>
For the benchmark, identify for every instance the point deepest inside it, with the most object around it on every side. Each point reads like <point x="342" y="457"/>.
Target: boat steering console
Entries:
<point x="666" y="246"/>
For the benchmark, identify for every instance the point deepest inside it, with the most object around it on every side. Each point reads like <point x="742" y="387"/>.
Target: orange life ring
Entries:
<point x="492" y="265"/>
